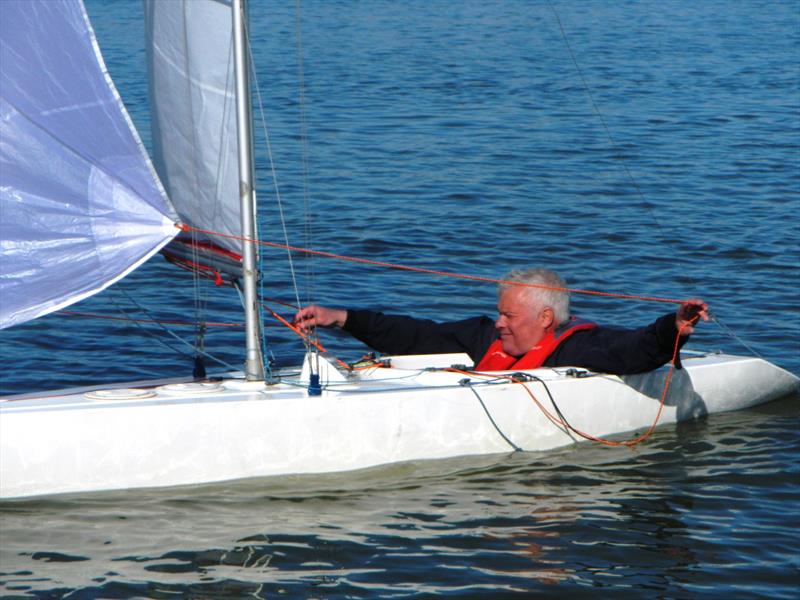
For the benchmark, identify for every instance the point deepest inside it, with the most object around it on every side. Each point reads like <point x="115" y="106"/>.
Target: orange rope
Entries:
<point x="561" y="422"/>
<point x="567" y="427"/>
<point x="377" y="263"/>
<point x="316" y="343"/>
<point x="558" y="421"/>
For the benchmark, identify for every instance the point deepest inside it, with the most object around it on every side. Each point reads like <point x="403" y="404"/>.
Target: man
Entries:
<point x="533" y="329"/>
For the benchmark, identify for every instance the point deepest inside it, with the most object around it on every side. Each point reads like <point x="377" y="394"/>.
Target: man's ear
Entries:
<point x="547" y="317"/>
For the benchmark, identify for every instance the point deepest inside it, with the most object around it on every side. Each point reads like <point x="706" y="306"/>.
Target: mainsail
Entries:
<point x="80" y="205"/>
<point x="193" y="112"/>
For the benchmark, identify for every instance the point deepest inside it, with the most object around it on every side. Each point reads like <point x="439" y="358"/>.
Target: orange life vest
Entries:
<point x="497" y="360"/>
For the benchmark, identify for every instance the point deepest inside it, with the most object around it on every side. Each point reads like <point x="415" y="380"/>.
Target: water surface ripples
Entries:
<point x="458" y="136"/>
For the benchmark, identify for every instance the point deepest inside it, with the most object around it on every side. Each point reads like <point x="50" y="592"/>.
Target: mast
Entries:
<point x="254" y="368"/>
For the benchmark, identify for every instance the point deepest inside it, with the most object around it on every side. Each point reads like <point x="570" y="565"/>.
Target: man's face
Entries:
<point x="521" y="326"/>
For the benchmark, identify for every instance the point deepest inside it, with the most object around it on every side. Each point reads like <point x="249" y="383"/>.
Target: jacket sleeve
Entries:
<point x="619" y="351"/>
<point x="396" y="334"/>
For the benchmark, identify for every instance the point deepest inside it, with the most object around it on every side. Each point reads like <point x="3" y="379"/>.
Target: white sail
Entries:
<point x="80" y="205"/>
<point x="193" y="112"/>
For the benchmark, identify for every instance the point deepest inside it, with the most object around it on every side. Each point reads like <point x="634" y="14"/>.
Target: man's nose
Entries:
<point x="500" y="322"/>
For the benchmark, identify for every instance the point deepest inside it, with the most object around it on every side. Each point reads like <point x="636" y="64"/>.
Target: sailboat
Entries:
<point x="97" y="207"/>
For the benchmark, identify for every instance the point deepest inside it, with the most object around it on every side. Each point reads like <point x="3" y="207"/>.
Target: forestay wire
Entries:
<point x="607" y="130"/>
<point x="666" y="238"/>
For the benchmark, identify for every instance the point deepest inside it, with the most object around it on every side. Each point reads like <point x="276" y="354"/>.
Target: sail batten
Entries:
<point x="80" y="204"/>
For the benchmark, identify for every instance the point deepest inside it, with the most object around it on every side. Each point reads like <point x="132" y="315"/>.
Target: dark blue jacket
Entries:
<point x="602" y="349"/>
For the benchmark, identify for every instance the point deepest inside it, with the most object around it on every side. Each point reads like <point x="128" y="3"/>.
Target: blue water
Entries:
<point x="460" y="136"/>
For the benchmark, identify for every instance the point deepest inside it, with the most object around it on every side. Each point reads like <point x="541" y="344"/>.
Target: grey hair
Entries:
<point x="538" y="298"/>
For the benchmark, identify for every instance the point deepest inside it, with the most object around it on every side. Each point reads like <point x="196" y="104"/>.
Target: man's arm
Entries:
<point x="396" y="334"/>
<point x="620" y="351"/>
<point x="629" y="351"/>
<point x="312" y="316"/>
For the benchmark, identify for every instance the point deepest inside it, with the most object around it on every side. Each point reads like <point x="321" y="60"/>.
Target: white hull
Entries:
<point x="53" y="444"/>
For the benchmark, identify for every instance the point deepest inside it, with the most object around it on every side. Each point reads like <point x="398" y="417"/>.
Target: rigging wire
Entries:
<point x="276" y="187"/>
<point x="666" y="238"/>
<point x="310" y="274"/>
<point x="167" y="331"/>
<point x="263" y="349"/>
<point x="304" y="161"/>
<point x="312" y="252"/>
<point x="608" y="130"/>
<point x="273" y="170"/>
<point x="733" y="335"/>
<point x="75" y="313"/>
<point x="378" y="263"/>
<point x="314" y="335"/>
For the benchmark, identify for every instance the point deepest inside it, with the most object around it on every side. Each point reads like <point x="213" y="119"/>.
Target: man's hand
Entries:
<point x="688" y="314"/>
<point x="318" y="316"/>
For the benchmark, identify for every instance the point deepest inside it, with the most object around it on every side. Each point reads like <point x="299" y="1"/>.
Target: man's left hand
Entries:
<point x="688" y="314"/>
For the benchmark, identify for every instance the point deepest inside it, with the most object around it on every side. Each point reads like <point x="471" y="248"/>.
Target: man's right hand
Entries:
<point x="312" y="316"/>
